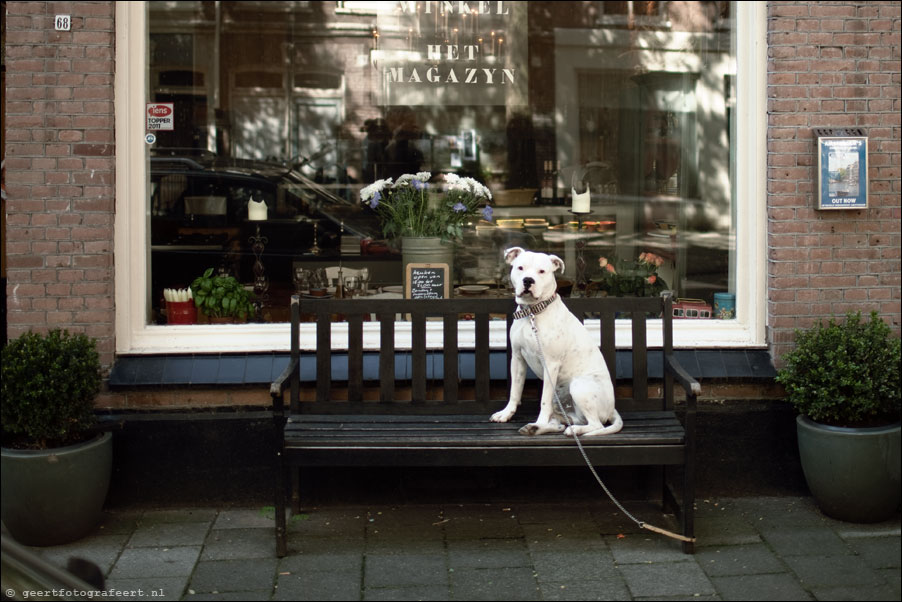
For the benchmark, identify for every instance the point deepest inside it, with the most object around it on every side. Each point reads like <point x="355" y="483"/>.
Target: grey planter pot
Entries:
<point x="853" y="473"/>
<point x="56" y="496"/>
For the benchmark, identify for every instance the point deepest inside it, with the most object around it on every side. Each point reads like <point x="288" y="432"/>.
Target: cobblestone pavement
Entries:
<point x="750" y="548"/>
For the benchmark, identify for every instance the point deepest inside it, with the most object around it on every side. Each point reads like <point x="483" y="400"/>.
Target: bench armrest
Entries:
<point x="277" y="388"/>
<point x="689" y="384"/>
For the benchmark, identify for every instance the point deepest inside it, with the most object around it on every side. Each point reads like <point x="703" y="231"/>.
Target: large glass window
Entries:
<point x="300" y="105"/>
<point x="650" y="112"/>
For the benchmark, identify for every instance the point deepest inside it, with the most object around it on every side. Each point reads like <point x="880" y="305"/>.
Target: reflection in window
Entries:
<point x="302" y="104"/>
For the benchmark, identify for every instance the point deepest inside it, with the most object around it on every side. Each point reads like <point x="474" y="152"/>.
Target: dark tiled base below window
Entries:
<point x="735" y="365"/>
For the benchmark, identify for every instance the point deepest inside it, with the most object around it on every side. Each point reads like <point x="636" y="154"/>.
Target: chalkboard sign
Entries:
<point x="427" y="281"/>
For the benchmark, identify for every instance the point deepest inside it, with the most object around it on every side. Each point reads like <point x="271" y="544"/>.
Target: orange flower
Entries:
<point x="652" y="279"/>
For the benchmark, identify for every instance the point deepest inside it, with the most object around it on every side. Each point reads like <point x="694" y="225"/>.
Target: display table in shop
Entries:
<point x="412" y="402"/>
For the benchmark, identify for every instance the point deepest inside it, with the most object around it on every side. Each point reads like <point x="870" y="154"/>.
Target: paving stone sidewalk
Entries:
<point x="777" y="548"/>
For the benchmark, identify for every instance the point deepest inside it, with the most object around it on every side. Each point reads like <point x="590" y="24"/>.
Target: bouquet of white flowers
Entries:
<point x="408" y="208"/>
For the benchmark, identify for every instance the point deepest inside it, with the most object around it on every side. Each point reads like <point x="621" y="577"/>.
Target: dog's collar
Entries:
<point x="526" y="311"/>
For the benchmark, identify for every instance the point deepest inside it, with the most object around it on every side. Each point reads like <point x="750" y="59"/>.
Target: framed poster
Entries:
<point x="842" y="167"/>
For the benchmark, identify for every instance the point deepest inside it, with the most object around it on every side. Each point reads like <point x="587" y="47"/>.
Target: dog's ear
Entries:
<point x="511" y="254"/>
<point x="557" y="262"/>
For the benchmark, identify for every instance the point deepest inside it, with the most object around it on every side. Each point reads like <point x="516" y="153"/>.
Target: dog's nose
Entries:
<point x="528" y="282"/>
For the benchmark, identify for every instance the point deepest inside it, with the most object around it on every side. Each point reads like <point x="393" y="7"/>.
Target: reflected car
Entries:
<point x="199" y="217"/>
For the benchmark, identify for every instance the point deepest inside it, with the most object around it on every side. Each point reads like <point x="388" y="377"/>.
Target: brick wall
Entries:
<point x="831" y="65"/>
<point x="60" y="156"/>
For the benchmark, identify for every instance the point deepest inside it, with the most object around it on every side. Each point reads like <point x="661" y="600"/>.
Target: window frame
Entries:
<point x="132" y="250"/>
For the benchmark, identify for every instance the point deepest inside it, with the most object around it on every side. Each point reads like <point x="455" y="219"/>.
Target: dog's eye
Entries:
<point x="520" y="268"/>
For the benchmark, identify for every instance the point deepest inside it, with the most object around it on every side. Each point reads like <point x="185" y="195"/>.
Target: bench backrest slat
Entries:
<point x="387" y="357"/>
<point x="294" y="390"/>
<point x="668" y="350"/>
<point x="608" y="348"/>
<point x="482" y="356"/>
<point x="418" y="356"/>
<point x="323" y="357"/>
<point x="640" y="358"/>
<point x="449" y="359"/>
<point x="355" y="358"/>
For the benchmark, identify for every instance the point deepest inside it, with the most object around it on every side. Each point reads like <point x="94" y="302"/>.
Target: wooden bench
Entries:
<point x="424" y="414"/>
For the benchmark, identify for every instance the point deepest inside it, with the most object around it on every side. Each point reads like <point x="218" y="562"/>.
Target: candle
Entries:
<point x="581" y="201"/>
<point x="256" y="211"/>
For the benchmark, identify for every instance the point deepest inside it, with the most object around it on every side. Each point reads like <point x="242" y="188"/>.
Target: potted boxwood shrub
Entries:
<point x="222" y="298"/>
<point x="55" y="465"/>
<point x="843" y="378"/>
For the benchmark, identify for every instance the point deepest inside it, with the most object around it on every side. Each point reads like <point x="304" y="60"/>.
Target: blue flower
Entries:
<point x="487" y="213"/>
<point x="374" y="202"/>
<point x="459" y="207"/>
<point x="417" y="184"/>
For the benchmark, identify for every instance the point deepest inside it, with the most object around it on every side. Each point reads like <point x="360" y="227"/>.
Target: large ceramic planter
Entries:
<point x="426" y="249"/>
<point x="853" y="473"/>
<point x="56" y="496"/>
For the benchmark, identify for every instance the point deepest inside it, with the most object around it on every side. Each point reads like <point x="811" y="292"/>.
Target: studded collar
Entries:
<point x="526" y="311"/>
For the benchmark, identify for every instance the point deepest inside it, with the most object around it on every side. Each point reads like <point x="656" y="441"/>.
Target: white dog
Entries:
<point x="572" y="361"/>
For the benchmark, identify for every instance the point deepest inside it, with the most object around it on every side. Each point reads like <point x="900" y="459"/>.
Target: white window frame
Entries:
<point x="135" y="336"/>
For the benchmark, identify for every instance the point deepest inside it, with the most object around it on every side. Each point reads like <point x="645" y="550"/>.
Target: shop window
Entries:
<point x="304" y="104"/>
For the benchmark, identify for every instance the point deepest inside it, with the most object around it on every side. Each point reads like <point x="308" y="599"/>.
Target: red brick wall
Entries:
<point x="831" y="65"/>
<point x="60" y="156"/>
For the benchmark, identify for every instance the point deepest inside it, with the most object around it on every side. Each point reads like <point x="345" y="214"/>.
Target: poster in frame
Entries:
<point x="842" y="166"/>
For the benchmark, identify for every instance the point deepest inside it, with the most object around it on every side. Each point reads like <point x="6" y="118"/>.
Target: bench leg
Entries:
<point x="687" y="517"/>
<point x="281" y="527"/>
<point x="688" y="514"/>
<point x="279" y="487"/>
<point x="689" y="477"/>
<point x="683" y="508"/>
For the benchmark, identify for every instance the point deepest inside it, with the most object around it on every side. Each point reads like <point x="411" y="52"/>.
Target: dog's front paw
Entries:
<point x="502" y="416"/>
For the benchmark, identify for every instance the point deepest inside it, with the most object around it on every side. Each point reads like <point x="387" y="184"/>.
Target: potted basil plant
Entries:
<point x="843" y="378"/>
<point x="56" y="467"/>
<point x="222" y="298"/>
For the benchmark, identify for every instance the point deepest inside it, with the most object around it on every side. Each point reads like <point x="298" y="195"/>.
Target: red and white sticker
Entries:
<point x="160" y="116"/>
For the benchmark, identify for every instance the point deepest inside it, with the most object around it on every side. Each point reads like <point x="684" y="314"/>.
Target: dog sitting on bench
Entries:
<point x="567" y="359"/>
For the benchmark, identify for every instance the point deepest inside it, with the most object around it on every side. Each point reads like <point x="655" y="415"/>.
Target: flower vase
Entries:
<point x="181" y="312"/>
<point x="426" y="249"/>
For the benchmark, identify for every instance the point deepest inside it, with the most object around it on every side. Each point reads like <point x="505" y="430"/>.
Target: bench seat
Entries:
<point x="654" y="438"/>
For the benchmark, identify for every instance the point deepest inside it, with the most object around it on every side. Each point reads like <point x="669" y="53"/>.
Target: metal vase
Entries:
<point x="426" y="249"/>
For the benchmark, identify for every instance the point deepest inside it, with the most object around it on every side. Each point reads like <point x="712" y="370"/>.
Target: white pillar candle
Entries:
<point x="256" y="211"/>
<point x="581" y="201"/>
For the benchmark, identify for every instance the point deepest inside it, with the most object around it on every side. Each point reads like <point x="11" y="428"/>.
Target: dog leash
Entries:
<point x="642" y="524"/>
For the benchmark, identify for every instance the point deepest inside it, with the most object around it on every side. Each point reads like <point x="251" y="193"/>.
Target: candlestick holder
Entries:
<point x="261" y="283"/>
<point x="314" y="249"/>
